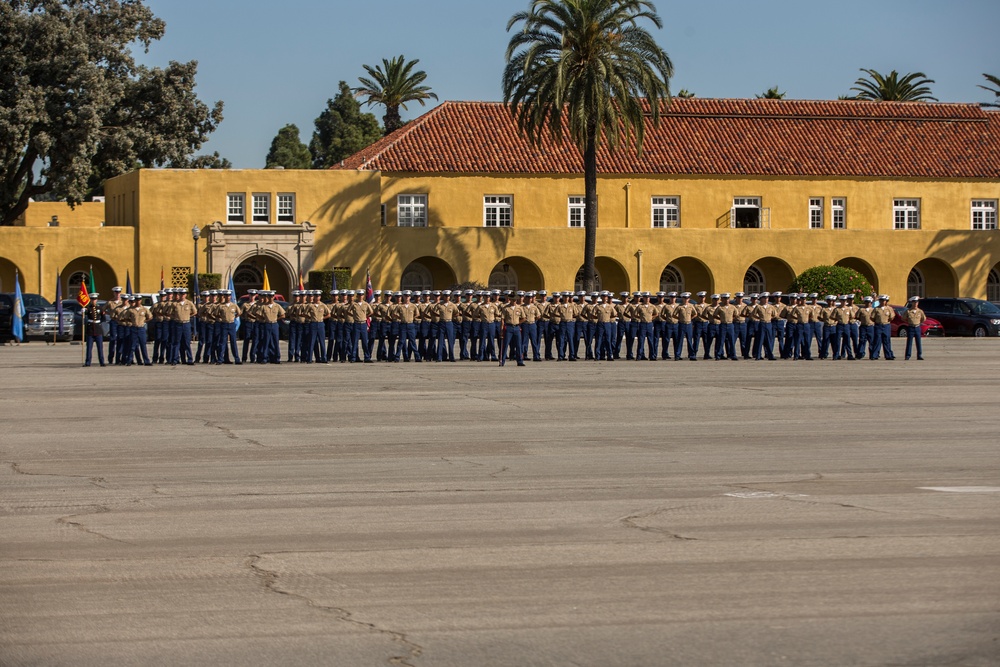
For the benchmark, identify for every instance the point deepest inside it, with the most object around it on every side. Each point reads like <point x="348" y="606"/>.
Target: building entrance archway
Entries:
<point x="249" y="274"/>
<point x="7" y="271"/>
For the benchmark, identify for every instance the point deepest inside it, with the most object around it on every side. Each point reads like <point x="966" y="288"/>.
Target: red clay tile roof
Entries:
<point x="715" y="137"/>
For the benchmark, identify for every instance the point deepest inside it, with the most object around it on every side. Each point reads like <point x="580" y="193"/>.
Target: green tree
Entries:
<point x="910" y="88"/>
<point x="771" y="94"/>
<point x="288" y="151"/>
<point x="832" y="280"/>
<point x="995" y="90"/>
<point x="213" y="161"/>
<point x="342" y="130"/>
<point x="74" y="103"/>
<point x="685" y="94"/>
<point x="393" y="84"/>
<point x="586" y="68"/>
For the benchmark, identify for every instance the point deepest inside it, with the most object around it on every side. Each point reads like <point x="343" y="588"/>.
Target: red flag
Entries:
<point x="82" y="297"/>
<point x="369" y="293"/>
<point x="301" y="286"/>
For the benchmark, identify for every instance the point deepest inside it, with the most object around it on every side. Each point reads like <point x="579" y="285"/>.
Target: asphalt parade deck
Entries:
<point x="670" y="513"/>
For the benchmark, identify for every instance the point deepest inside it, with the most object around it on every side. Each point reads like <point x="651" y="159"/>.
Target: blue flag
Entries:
<point x="59" y="308"/>
<point x="232" y="290"/>
<point x="18" y="323"/>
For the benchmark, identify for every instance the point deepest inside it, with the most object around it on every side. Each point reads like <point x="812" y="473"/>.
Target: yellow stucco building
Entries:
<point x="727" y="195"/>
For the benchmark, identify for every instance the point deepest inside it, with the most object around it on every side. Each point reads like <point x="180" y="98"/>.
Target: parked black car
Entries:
<point x="964" y="316"/>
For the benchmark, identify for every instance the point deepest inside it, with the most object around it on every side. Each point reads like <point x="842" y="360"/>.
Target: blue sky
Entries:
<point x="274" y="63"/>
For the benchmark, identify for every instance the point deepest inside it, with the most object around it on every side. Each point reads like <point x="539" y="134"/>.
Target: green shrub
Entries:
<point x="323" y="280"/>
<point x="837" y="280"/>
<point x="205" y="281"/>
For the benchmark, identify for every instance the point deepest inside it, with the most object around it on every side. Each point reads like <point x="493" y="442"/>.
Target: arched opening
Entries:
<point x="993" y="285"/>
<point x="937" y="278"/>
<point x="671" y="279"/>
<point x="610" y="275"/>
<point x="7" y="271"/>
<point x="754" y="281"/>
<point x="516" y="273"/>
<point x="862" y="267"/>
<point x="769" y="274"/>
<point x="79" y="269"/>
<point x="427" y="273"/>
<point x="249" y="273"/>
<point x="578" y="281"/>
<point x="696" y="276"/>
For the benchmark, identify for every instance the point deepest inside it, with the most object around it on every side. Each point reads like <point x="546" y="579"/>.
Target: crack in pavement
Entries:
<point x="232" y="436"/>
<point x="269" y="578"/>
<point x="101" y="509"/>
<point x="99" y="482"/>
<point x="631" y="521"/>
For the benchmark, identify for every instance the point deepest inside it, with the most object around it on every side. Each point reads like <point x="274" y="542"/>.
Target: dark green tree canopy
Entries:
<point x="995" y="89"/>
<point x="685" y="94"/>
<point x="891" y="88"/>
<point x="342" y="130"/>
<point x="393" y="84"/>
<point x="288" y="151"/>
<point x="73" y="102"/>
<point x="771" y="94"/>
<point x="832" y="280"/>
<point x="589" y="70"/>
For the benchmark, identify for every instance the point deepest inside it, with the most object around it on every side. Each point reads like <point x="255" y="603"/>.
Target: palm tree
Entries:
<point x="685" y="94"/>
<point x="582" y="68"/>
<point x="910" y="88"/>
<point x="771" y="94"/>
<point x="393" y="84"/>
<point x="996" y="91"/>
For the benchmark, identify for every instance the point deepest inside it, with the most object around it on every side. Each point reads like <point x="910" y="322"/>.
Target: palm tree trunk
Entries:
<point x="392" y="119"/>
<point x="590" y="208"/>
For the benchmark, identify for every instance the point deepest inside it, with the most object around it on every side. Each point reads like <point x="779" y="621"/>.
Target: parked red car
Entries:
<point x="930" y="327"/>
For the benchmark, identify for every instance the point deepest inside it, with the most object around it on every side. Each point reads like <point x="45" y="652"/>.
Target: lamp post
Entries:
<point x="195" y="235"/>
<point x="638" y="261"/>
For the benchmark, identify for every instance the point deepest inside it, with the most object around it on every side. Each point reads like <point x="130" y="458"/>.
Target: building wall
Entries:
<point x="149" y="215"/>
<point x="541" y="201"/>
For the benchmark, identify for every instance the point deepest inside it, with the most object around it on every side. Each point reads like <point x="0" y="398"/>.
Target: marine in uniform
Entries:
<point x="226" y="314"/>
<point x="883" y="314"/>
<point x="763" y="316"/>
<point x="270" y="314"/>
<point x="94" y="327"/>
<point x="181" y="315"/>
<point x="137" y="317"/>
<point x="915" y="317"/>
<point x="111" y="306"/>
<point x="866" y="328"/>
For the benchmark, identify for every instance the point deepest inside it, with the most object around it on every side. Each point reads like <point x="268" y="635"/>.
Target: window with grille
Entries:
<point x="815" y="213"/>
<point x="666" y="212"/>
<point x="261" y="208"/>
<point x="671" y="280"/>
<point x="984" y="214"/>
<point x="498" y="210"/>
<point x="286" y="207"/>
<point x="411" y="210"/>
<point x="753" y="281"/>
<point x="915" y="283"/>
<point x="234" y="207"/>
<point x="577" y="208"/>
<point x="906" y="214"/>
<point x="838" y="213"/>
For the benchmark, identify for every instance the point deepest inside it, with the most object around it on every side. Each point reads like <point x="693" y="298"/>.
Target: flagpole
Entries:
<point x="83" y="333"/>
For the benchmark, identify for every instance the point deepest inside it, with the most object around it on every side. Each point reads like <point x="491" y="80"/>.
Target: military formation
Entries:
<point x="494" y="326"/>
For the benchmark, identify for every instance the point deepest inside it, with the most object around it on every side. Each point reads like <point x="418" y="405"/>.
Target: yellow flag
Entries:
<point x="267" y="284"/>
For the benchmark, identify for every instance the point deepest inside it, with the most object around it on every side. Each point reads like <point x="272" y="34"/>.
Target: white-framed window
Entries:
<point x="671" y="280"/>
<point x="498" y="210"/>
<point x="286" y="207"/>
<point x="984" y="214"/>
<point x="261" y="212"/>
<point x="745" y="213"/>
<point x="815" y="213"/>
<point x="235" y="211"/>
<point x="753" y="281"/>
<point x="666" y="212"/>
<point x="577" y="208"/>
<point x="411" y="210"/>
<point x="906" y="214"/>
<point x="915" y="283"/>
<point x="838" y="213"/>
<point x="993" y="286"/>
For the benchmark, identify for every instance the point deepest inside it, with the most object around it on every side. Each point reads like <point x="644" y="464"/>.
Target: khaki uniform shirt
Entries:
<point x="915" y="317"/>
<point x="183" y="311"/>
<point x="446" y="312"/>
<point x="270" y="313"/>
